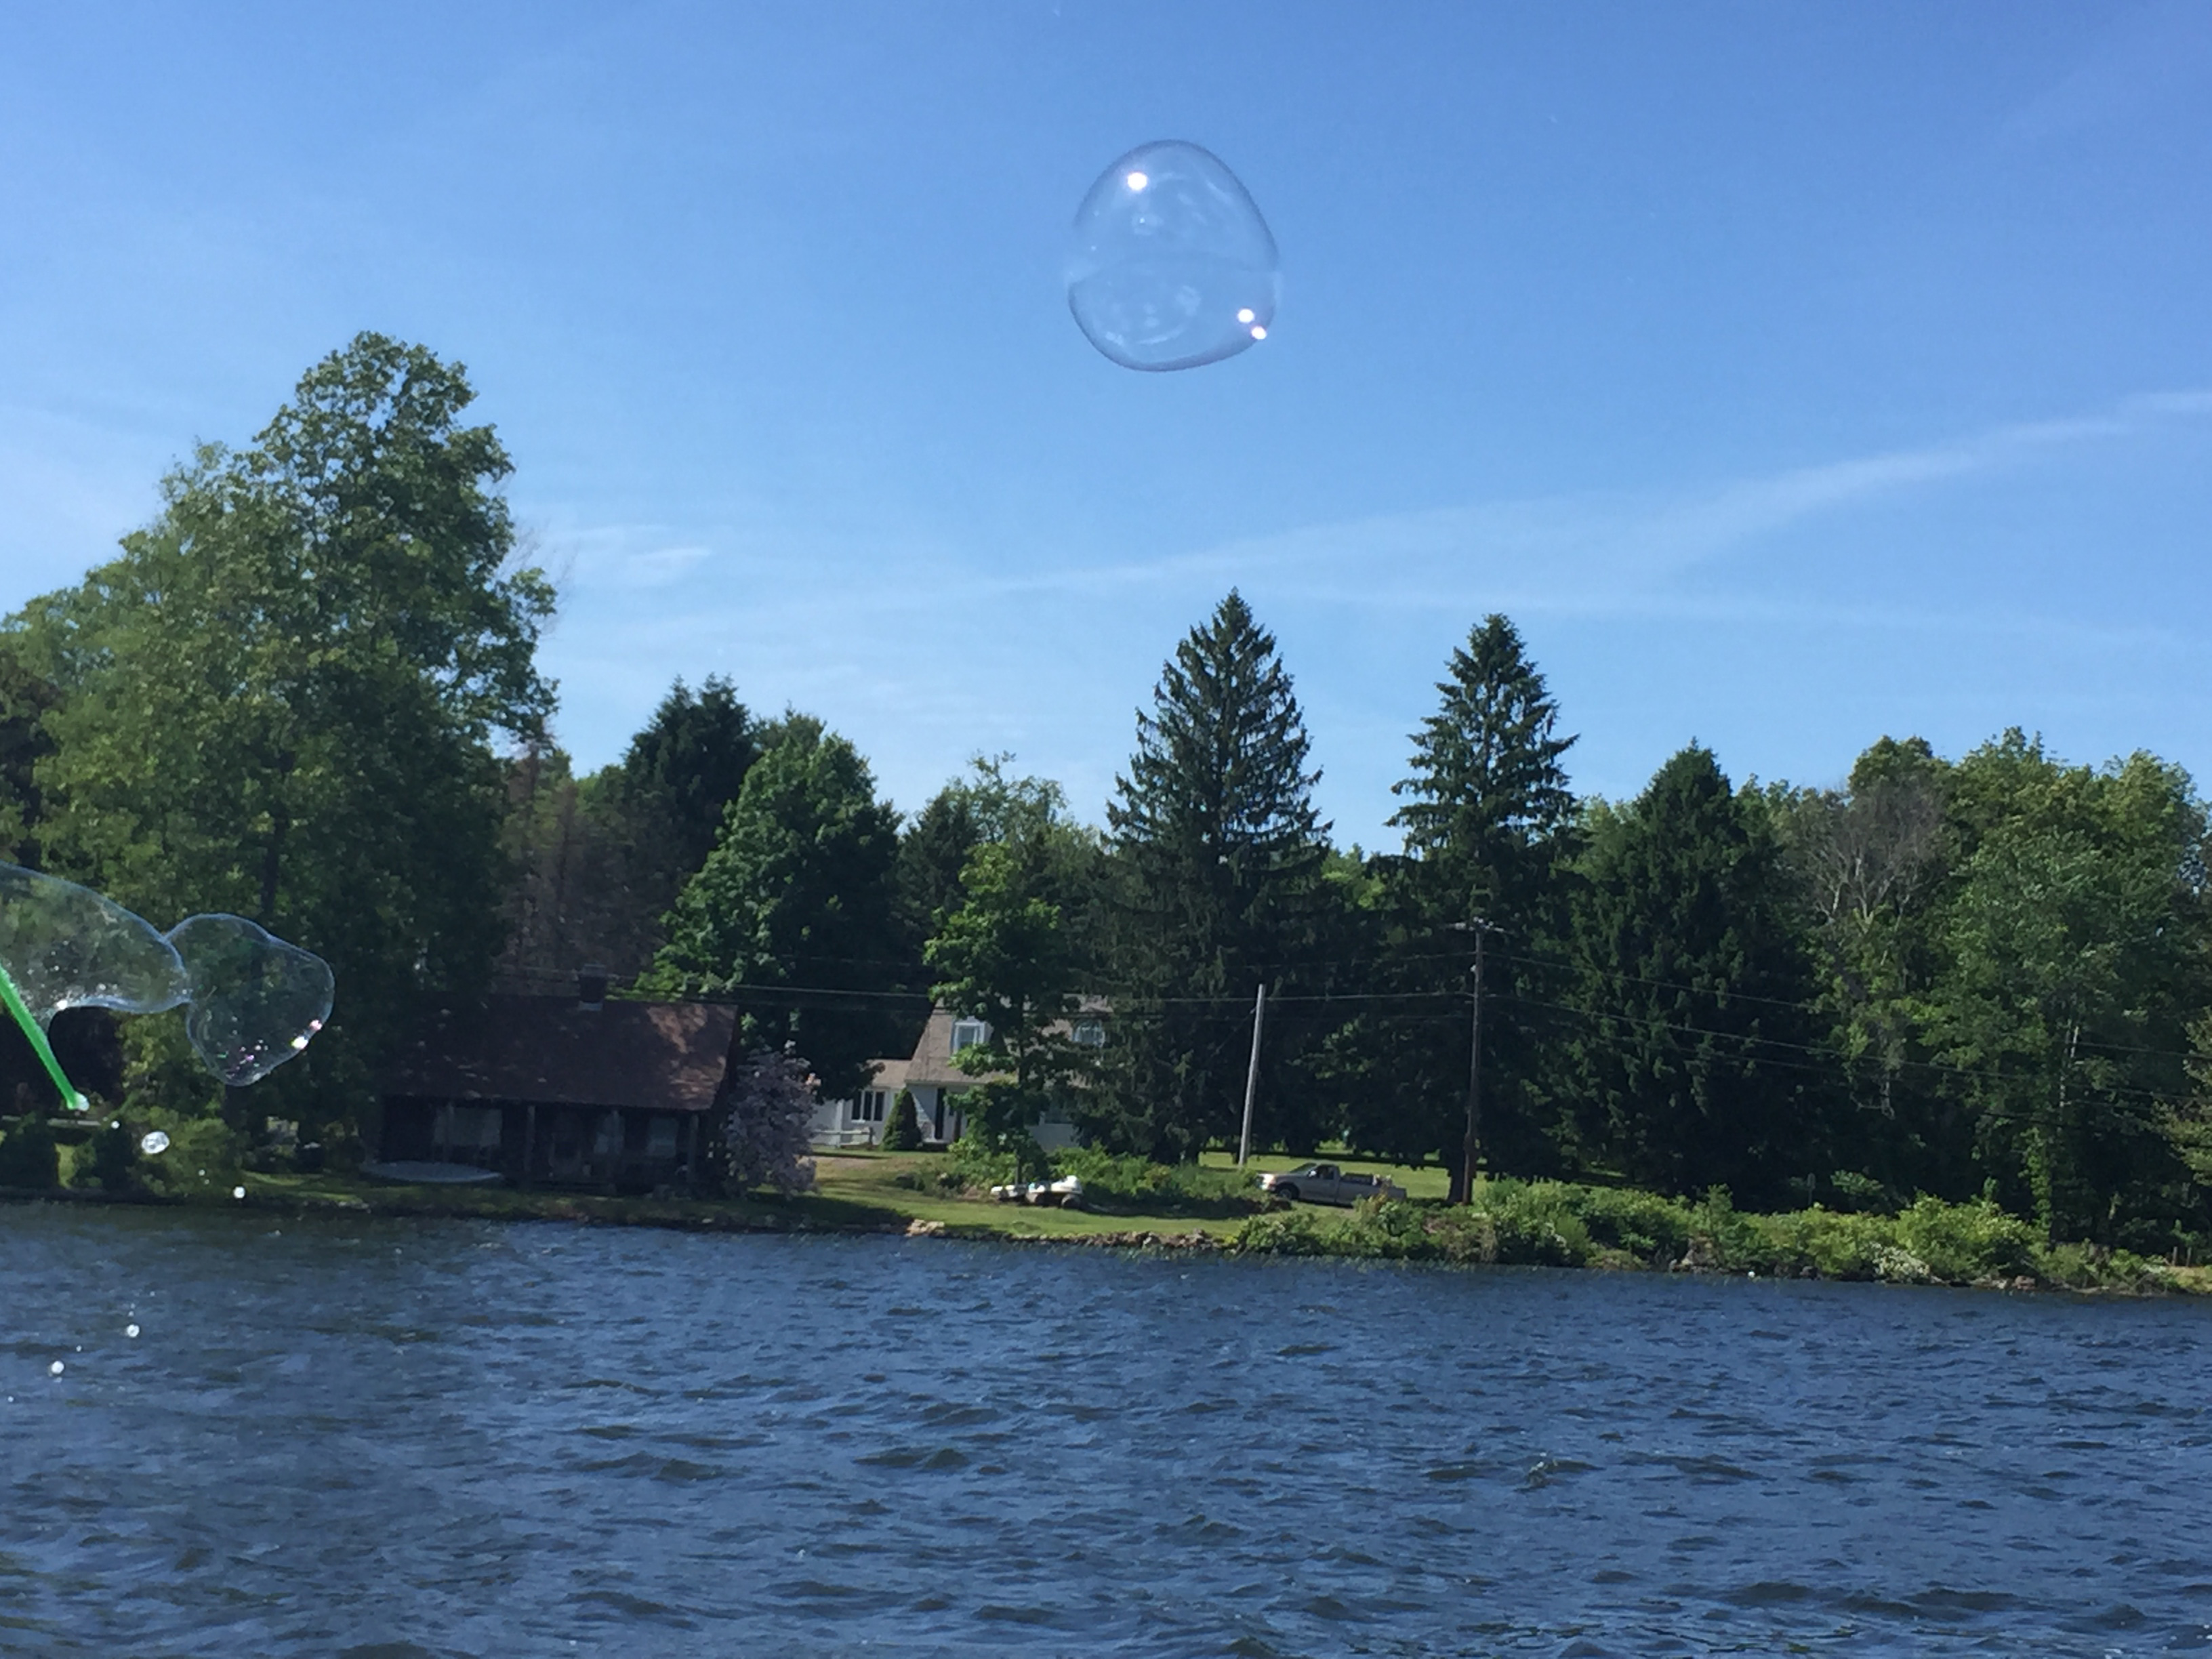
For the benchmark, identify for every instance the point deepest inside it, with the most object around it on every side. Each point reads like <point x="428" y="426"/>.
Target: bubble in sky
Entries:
<point x="154" y="1143"/>
<point x="1171" y="265"/>
<point x="130" y="1330"/>
<point x="238" y="1192"/>
<point x="56" y="1369"/>
<point x="256" y="1001"/>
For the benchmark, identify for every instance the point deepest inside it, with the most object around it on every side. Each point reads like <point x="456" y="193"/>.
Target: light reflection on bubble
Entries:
<point x="154" y="1143"/>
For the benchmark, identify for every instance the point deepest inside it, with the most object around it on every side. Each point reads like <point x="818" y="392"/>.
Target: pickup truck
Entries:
<point x="1324" y="1183"/>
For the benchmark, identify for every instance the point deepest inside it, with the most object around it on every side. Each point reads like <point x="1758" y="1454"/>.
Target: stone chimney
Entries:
<point x="591" y="987"/>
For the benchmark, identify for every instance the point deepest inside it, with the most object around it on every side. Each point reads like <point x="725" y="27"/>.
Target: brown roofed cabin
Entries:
<point x="566" y="1091"/>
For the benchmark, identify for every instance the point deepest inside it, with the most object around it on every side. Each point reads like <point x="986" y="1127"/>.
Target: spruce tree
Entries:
<point x="1219" y="852"/>
<point x="1488" y="817"/>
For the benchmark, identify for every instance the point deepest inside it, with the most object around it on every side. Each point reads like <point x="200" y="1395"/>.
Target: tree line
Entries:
<point x="308" y="692"/>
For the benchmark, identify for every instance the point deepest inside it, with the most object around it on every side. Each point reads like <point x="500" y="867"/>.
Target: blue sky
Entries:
<point x="1792" y="375"/>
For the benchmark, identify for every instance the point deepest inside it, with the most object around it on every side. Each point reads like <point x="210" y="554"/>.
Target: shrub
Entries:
<point x="203" y="1155"/>
<point x="1139" y="1180"/>
<point x="770" y="1129"/>
<point x="1283" y="1232"/>
<point x="902" y="1133"/>
<point x="106" y="1160"/>
<point x="29" y="1157"/>
<point x="975" y="1164"/>
<point x="1962" y="1242"/>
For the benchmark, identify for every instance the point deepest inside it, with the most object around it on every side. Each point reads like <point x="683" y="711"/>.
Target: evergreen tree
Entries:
<point x="678" y="777"/>
<point x="1488" y="817"/>
<point x="791" y="909"/>
<point x="1692" y="1054"/>
<point x="1219" y="855"/>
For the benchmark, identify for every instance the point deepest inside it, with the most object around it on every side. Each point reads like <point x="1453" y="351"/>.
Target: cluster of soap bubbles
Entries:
<point x="1171" y="265"/>
<point x="252" y="1001"/>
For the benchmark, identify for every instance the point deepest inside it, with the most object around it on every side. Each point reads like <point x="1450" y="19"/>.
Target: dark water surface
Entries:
<point x="384" y="1439"/>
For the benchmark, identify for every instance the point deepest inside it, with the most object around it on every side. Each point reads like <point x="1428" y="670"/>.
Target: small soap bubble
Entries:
<point x="238" y="1192"/>
<point x="154" y="1143"/>
<point x="1170" y="265"/>
<point x="56" y="1369"/>
<point x="130" y="1330"/>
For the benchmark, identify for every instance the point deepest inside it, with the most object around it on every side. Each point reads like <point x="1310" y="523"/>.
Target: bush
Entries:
<point x="29" y="1157"/>
<point x="902" y="1133"/>
<point x="1962" y="1242"/>
<point x="106" y="1160"/>
<point x="203" y="1156"/>
<point x="1139" y="1180"/>
<point x="975" y="1164"/>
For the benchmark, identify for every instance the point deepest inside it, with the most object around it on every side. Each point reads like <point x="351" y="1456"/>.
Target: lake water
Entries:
<point x="385" y="1440"/>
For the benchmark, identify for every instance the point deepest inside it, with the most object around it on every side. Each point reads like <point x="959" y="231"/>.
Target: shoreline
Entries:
<point x="1303" y="1232"/>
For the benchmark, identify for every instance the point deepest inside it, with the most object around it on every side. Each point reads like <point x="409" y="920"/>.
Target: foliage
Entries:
<point x="29" y="1158"/>
<point x="789" y="912"/>
<point x="902" y="1132"/>
<point x="204" y="1159"/>
<point x="768" y="1123"/>
<point x="1006" y="961"/>
<point x="2073" y="963"/>
<point x="1219" y="855"/>
<point x="1692" y="979"/>
<point x="278" y="700"/>
<point x="1124" y="1178"/>
<point x="107" y="1160"/>
<point x="1561" y="1223"/>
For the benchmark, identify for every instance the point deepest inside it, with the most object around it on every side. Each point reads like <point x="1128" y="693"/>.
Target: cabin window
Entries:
<point x="1088" y="1033"/>
<point x="608" y="1142"/>
<point x="968" y="1034"/>
<point x="660" y="1138"/>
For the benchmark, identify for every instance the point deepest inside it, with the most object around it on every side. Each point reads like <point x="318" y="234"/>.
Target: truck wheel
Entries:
<point x="1288" y="1194"/>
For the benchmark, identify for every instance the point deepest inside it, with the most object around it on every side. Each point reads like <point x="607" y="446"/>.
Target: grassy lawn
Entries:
<point x="1426" y="1180"/>
<point x="852" y="1191"/>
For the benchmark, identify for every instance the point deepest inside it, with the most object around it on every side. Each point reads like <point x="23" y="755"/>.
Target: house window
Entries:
<point x="968" y="1034"/>
<point x="872" y="1103"/>
<point x="1089" y="1033"/>
<point x="660" y="1138"/>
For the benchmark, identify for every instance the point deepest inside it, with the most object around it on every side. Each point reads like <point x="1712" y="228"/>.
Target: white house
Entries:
<point x="937" y="1086"/>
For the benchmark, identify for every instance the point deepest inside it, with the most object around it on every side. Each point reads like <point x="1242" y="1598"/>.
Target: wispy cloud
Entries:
<point x="1604" y="552"/>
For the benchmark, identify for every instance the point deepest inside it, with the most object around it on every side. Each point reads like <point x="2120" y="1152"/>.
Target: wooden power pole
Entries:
<point x="1252" y="1074"/>
<point x="1471" y="1148"/>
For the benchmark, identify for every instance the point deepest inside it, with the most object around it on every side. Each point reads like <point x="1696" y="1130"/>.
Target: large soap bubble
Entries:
<point x="64" y="946"/>
<point x="1172" y="265"/>
<point x="256" y="1001"/>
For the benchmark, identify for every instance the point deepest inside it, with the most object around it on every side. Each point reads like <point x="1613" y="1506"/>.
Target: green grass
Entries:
<point x="1420" y="1180"/>
<point x="852" y="1193"/>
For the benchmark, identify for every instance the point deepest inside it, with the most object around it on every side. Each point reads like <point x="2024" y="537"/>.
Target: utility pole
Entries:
<point x="1252" y="1074"/>
<point x="1471" y="1148"/>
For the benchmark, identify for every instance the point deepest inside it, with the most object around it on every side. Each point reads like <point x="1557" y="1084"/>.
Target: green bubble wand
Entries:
<point x="44" y="1049"/>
